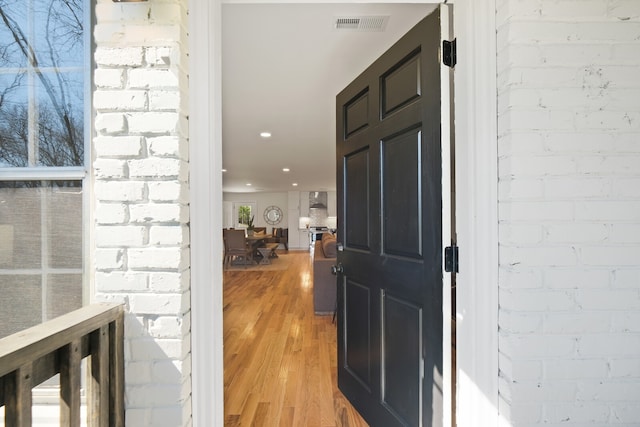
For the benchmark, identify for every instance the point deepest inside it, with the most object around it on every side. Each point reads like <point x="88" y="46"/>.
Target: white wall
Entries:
<point x="569" y="212"/>
<point x="140" y="235"/>
<point x="262" y="200"/>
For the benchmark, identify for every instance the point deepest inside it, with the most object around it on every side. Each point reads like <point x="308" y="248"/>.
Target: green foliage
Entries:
<point x="244" y="215"/>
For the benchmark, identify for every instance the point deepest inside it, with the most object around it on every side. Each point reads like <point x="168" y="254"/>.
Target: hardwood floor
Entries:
<point x="279" y="358"/>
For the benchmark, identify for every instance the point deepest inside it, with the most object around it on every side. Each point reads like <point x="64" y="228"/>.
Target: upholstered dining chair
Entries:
<point x="235" y="245"/>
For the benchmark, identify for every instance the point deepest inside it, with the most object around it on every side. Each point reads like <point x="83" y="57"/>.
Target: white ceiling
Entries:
<point x="283" y="65"/>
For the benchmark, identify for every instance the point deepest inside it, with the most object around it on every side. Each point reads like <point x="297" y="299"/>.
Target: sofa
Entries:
<point x="324" y="281"/>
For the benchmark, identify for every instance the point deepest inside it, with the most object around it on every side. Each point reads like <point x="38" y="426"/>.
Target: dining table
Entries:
<point x="257" y="240"/>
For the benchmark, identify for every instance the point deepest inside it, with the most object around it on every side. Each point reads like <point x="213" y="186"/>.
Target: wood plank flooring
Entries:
<point x="279" y="358"/>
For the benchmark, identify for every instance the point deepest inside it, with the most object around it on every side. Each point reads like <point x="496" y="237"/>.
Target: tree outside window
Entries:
<point x="41" y="83"/>
<point x="243" y="211"/>
<point x="244" y="215"/>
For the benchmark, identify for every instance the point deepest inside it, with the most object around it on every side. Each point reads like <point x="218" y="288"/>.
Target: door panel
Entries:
<point x="400" y="164"/>
<point x="402" y="359"/>
<point x="358" y="348"/>
<point x="388" y="157"/>
<point x="356" y="113"/>
<point x="401" y="84"/>
<point x="356" y="181"/>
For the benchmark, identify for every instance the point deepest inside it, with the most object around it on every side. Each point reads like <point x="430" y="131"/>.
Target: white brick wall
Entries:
<point x="569" y="211"/>
<point x="141" y="214"/>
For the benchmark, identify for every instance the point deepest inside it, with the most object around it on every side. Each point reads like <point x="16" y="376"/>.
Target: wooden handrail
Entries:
<point x="58" y="346"/>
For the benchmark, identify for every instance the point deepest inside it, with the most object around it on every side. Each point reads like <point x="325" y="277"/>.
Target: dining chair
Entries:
<point x="235" y="245"/>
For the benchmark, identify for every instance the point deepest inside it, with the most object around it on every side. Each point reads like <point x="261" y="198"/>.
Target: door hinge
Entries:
<point x="449" y="53"/>
<point x="451" y="259"/>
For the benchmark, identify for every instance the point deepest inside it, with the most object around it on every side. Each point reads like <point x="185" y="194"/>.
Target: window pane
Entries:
<point x="13" y="25"/>
<point x="50" y="30"/>
<point x="65" y="294"/>
<point x="21" y="303"/>
<point x="28" y="206"/>
<point x="42" y="69"/>
<point x="60" y="119"/>
<point x="14" y="124"/>
<point x="58" y="37"/>
<point x="20" y="225"/>
<point x="244" y="213"/>
<point x="40" y="251"/>
<point x="65" y="226"/>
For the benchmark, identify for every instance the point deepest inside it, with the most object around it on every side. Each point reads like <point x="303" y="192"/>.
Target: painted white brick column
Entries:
<point x="140" y="231"/>
<point x="569" y="212"/>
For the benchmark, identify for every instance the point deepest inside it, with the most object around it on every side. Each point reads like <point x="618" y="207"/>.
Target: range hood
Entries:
<point x="318" y="200"/>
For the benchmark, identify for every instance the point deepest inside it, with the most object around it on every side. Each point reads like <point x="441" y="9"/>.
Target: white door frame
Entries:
<point x="476" y="216"/>
<point x="476" y="212"/>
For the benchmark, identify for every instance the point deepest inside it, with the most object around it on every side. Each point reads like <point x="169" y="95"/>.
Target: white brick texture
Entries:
<point x="569" y="212"/>
<point x="118" y="146"/>
<point x="109" y="78"/>
<point x="120" y="100"/>
<point x="141" y="211"/>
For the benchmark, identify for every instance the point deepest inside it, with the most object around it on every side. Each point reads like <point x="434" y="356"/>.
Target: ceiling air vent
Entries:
<point x="360" y="23"/>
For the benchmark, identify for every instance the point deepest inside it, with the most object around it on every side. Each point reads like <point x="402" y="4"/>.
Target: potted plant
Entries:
<point x="250" y="226"/>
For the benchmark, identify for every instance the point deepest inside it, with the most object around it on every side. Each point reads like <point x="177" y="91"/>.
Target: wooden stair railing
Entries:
<point x="32" y="356"/>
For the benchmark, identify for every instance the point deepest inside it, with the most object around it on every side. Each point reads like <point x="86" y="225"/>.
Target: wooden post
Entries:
<point x="18" y="397"/>
<point x="70" y="362"/>
<point x="98" y="404"/>
<point x="116" y="369"/>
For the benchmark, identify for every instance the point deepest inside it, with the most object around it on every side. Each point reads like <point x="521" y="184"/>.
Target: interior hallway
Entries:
<point x="279" y="358"/>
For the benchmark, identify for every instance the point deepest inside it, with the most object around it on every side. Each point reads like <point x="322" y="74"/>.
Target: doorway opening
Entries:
<point x="477" y="197"/>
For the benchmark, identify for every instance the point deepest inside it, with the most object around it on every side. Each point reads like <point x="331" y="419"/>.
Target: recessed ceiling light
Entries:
<point x="248" y="184"/>
<point x="265" y="134"/>
<point x="224" y="170"/>
<point x="285" y="169"/>
<point x="295" y="184"/>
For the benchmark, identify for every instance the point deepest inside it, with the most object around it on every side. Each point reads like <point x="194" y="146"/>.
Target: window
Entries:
<point x="244" y="215"/>
<point x="44" y="87"/>
<point x="243" y="212"/>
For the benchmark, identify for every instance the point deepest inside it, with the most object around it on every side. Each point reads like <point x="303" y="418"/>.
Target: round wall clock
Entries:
<point x="272" y="215"/>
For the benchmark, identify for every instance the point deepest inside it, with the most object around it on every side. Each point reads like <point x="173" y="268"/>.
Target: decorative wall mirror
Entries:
<point x="272" y="215"/>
